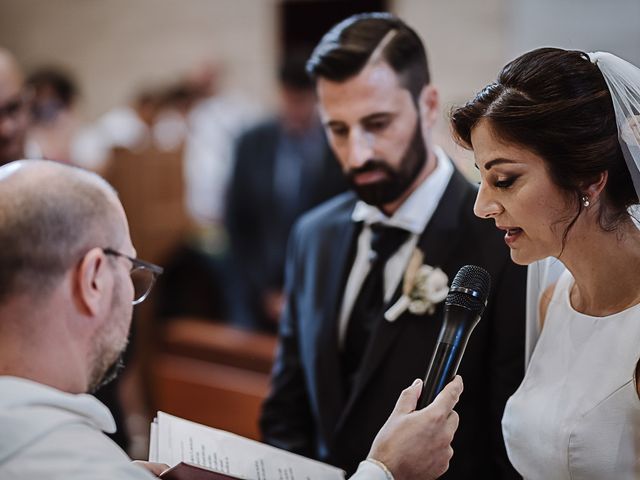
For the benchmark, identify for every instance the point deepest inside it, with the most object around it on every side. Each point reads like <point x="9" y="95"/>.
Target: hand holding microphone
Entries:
<point x="463" y="307"/>
<point x="417" y="444"/>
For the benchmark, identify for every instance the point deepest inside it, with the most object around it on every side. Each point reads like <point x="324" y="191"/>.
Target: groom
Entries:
<point x="341" y="363"/>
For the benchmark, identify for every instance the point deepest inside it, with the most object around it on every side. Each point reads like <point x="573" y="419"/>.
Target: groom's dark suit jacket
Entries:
<point x="306" y="411"/>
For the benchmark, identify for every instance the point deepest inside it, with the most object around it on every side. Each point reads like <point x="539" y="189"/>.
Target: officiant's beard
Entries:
<point x="398" y="181"/>
<point x="107" y="367"/>
<point x="108" y="375"/>
<point x="110" y="343"/>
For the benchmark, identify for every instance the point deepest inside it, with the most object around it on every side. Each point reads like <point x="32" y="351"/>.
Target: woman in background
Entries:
<point x="556" y="140"/>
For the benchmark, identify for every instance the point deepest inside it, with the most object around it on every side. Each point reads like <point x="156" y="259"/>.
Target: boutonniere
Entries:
<point x="423" y="288"/>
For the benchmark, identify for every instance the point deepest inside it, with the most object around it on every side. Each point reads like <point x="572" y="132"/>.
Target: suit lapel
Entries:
<point x="436" y="242"/>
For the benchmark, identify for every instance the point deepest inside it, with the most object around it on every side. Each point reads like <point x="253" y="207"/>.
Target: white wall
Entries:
<point x="466" y="46"/>
<point x="612" y="25"/>
<point x="468" y="41"/>
<point x="116" y="46"/>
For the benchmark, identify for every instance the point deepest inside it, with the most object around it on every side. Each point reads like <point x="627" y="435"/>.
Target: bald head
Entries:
<point x="50" y="215"/>
<point x="13" y="111"/>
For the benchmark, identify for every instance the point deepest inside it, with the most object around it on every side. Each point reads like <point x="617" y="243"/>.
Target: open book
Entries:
<point x="198" y="452"/>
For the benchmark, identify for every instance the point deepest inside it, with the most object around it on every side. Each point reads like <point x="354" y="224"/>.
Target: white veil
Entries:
<point x="623" y="80"/>
<point x="540" y="275"/>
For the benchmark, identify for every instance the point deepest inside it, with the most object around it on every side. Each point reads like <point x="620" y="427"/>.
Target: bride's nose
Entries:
<point x="486" y="206"/>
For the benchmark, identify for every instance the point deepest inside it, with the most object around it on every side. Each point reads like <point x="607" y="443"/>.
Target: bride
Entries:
<point x="556" y="141"/>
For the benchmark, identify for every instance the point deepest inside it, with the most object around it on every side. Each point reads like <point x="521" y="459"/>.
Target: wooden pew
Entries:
<point x="150" y="185"/>
<point x="213" y="374"/>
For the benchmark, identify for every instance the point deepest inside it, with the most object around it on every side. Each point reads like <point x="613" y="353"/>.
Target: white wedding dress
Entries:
<point x="576" y="415"/>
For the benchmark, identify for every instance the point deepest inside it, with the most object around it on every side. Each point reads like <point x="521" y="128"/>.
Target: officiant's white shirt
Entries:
<point x="47" y="433"/>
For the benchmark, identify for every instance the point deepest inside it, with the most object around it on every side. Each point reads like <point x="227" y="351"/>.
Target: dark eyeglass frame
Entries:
<point x="137" y="264"/>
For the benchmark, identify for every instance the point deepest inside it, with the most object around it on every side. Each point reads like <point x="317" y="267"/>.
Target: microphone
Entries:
<point x="463" y="307"/>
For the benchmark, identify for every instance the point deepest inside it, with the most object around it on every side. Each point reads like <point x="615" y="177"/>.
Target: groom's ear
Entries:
<point x="429" y="106"/>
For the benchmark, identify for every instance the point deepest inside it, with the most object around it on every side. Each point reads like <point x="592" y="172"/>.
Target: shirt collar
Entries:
<point x="416" y="211"/>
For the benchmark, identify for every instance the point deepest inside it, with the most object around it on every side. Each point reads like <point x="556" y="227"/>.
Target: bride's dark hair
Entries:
<point x="556" y="103"/>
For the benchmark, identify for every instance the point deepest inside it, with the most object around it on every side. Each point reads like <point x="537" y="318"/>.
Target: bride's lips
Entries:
<point x="512" y="234"/>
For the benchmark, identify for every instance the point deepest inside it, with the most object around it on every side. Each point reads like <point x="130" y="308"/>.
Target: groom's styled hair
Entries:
<point x="366" y="38"/>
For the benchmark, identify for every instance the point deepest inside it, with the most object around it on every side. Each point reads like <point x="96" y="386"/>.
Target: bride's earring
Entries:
<point x="585" y="200"/>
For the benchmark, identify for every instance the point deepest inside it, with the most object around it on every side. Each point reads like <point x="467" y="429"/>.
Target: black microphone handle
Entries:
<point x="454" y="335"/>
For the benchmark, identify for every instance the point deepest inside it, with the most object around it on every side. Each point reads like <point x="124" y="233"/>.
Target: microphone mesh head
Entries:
<point x="470" y="289"/>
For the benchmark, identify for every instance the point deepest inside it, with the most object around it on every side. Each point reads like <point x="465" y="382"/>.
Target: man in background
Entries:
<point x="14" y="115"/>
<point x="66" y="299"/>
<point x="282" y="168"/>
<point x="343" y="356"/>
<point x="54" y="120"/>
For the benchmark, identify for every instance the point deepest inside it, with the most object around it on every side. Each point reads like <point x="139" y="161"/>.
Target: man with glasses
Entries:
<point x="66" y="300"/>
<point x="143" y="275"/>
<point x="68" y="282"/>
<point x="14" y="118"/>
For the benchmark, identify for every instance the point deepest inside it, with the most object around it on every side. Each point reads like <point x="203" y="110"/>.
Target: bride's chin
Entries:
<point x="520" y="257"/>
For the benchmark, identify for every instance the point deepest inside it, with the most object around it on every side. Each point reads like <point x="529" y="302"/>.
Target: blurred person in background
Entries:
<point x="215" y="122"/>
<point x="14" y="111"/>
<point x="126" y="126"/>
<point x="54" y="121"/>
<point x="282" y="168"/>
<point x="171" y="127"/>
<point x="198" y="280"/>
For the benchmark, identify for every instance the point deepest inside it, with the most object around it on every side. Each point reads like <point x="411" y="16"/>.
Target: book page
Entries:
<point x="180" y="440"/>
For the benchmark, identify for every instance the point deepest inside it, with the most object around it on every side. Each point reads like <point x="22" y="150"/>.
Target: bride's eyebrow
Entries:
<point x="494" y="162"/>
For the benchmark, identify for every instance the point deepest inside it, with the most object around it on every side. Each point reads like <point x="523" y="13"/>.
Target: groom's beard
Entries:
<point x="398" y="181"/>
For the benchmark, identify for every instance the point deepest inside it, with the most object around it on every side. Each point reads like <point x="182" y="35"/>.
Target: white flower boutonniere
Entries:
<point x="423" y="288"/>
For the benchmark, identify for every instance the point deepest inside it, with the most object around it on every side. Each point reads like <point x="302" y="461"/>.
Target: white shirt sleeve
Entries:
<point x="369" y="471"/>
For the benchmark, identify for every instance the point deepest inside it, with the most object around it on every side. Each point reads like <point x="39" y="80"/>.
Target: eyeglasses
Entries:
<point x="143" y="275"/>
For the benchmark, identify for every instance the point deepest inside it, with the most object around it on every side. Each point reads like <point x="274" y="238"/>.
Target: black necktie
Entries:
<point x="367" y="309"/>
